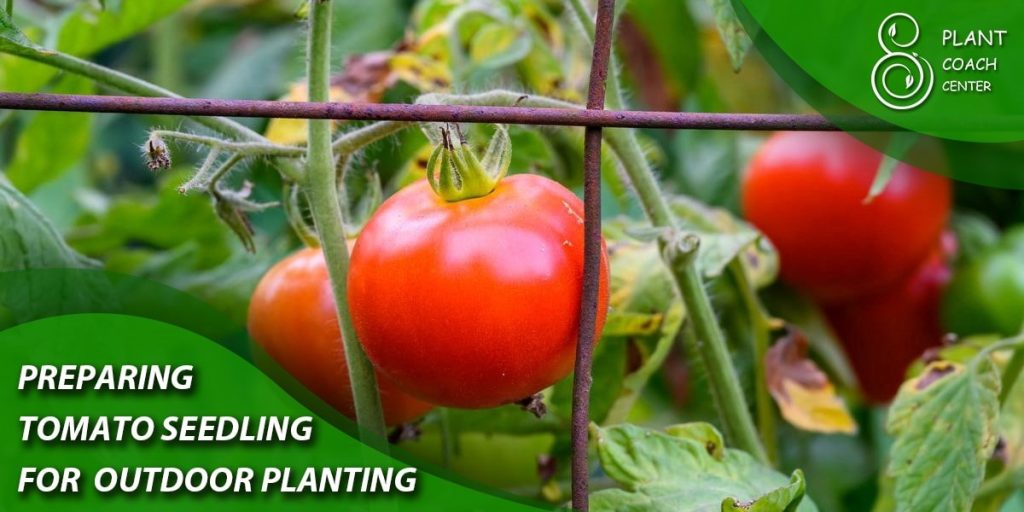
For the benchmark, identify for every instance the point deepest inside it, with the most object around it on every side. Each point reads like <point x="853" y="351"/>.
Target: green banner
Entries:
<point x="950" y="70"/>
<point x="127" y="412"/>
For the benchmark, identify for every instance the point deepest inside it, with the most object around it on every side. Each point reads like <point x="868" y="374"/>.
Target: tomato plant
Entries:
<point x="472" y="303"/>
<point x="806" y="192"/>
<point x="291" y="316"/>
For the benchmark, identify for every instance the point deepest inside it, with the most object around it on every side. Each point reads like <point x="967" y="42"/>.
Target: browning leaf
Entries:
<point x="802" y="391"/>
<point x="366" y="77"/>
<point x="944" y="424"/>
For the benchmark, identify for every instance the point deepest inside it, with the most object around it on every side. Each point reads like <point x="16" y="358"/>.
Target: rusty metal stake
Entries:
<point x="591" y="260"/>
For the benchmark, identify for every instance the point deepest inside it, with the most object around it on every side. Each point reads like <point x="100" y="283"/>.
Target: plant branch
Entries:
<point x="680" y="256"/>
<point x="1008" y="480"/>
<point x="760" y="336"/>
<point x="290" y="202"/>
<point x="223" y="171"/>
<point x="327" y="213"/>
<point x="353" y="141"/>
<point x="242" y="148"/>
<point x="1011" y="373"/>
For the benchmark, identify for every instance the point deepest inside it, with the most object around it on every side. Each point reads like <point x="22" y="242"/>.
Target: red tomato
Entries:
<point x="884" y="333"/>
<point x="806" y="192"/>
<point x="473" y="303"/>
<point x="292" y="316"/>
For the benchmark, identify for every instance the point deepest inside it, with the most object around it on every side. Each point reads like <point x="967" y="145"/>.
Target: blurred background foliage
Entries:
<point x="84" y="173"/>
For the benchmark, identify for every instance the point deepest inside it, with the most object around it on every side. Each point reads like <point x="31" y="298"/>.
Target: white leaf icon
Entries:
<point x="910" y="81"/>
<point x="892" y="31"/>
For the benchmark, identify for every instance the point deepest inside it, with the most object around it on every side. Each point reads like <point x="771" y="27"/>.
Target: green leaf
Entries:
<point x="86" y="31"/>
<point x="687" y="469"/>
<point x="663" y="34"/>
<point x="944" y="424"/>
<point x="899" y="144"/>
<point x="27" y="239"/>
<point x="644" y="311"/>
<point x="255" y="71"/>
<point x="534" y="154"/>
<point x="497" y="45"/>
<point x="737" y="42"/>
<point x="229" y="286"/>
<point x="135" y="227"/>
<point x="83" y="31"/>
<point x="786" y="498"/>
<point x="723" y="238"/>
<point x="9" y="34"/>
<point x="360" y="26"/>
<point x="708" y="166"/>
<point x="52" y="142"/>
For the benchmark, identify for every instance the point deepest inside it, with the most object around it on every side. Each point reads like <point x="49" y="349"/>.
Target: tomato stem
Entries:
<point x="290" y="201"/>
<point x="241" y="148"/>
<point x="321" y="187"/>
<point x="728" y="395"/>
<point x="1011" y="373"/>
<point x="761" y="329"/>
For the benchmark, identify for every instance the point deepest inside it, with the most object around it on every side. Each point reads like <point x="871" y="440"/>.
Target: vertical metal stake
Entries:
<point x="591" y="259"/>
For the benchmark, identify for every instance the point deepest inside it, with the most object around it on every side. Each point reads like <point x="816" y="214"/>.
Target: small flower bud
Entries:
<point x="157" y="155"/>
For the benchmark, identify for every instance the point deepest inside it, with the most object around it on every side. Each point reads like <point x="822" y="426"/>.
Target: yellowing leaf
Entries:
<point x="802" y="391"/>
<point x="944" y="425"/>
<point x="498" y="45"/>
<point x="816" y="410"/>
<point x="421" y="72"/>
<point x="629" y="323"/>
<point x="295" y="131"/>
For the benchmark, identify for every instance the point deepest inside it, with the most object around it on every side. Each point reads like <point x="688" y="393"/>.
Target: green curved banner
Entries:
<point x="130" y="412"/>
<point x="951" y="70"/>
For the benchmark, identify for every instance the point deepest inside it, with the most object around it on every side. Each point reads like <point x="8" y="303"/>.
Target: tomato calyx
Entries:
<point x="533" y="404"/>
<point x="456" y="173"/>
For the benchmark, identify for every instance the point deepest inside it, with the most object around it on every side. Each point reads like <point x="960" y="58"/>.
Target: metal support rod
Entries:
<point x="590" y="298"/>
<point x="432" y="113"/>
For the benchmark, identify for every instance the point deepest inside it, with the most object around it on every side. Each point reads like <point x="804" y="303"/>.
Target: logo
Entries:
<point x="909" y="74"/>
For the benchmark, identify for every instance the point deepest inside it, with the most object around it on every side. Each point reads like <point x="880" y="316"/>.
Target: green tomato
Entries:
<point x="986" y="295"/>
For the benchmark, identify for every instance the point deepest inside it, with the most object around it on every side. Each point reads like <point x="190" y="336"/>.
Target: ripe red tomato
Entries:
<point x="292" y="316"/>
<point x="806" y="192"/>
<point x="473" y="303"/>
<point x="884" y="333"/>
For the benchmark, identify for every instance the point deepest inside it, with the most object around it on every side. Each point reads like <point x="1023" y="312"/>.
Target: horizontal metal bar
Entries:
<point x="428" y="113"/>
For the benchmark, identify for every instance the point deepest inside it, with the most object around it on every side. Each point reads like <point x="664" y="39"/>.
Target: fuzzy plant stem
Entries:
<point x="680" y="255"/>
<point x="1011" y="373"/>
<point x="327" y="214"/>
<point x="761" y="329"/>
